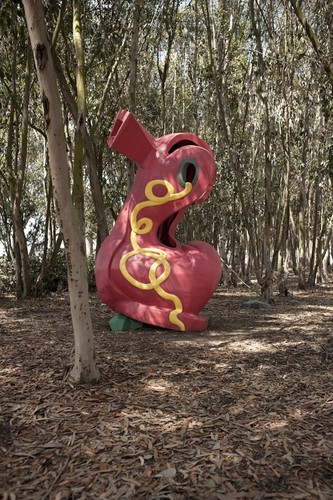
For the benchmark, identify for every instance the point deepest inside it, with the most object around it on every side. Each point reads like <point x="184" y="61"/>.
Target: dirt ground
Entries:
<point x="243" y="410"/>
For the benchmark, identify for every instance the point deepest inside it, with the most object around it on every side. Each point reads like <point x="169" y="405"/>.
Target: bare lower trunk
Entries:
<point x="21" y="251"/>
<point x="85" y="369"/>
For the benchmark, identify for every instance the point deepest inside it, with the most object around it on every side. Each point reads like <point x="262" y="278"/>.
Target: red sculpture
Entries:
<point x="142" y="271"/>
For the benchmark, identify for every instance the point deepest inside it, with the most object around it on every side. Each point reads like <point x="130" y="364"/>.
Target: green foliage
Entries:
<point x="7" y="276"/>
<point x="91" y="272"/>
<point x="54" y="281"/>
<point x="56" y="276"/>
<point x="251" y="114"/>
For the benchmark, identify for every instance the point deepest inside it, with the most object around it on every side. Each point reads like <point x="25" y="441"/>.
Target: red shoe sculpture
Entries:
<point x="142" y="271"/>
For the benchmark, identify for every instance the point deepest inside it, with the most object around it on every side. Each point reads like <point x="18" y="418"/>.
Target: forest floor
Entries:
<point x="243" y="410"/>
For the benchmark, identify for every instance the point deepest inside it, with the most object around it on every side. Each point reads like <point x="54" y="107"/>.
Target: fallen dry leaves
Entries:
<point x="241" y="411"/>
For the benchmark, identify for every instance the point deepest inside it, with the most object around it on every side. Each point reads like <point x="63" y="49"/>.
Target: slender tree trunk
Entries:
<point x="267" y="281"/>
<point x="326" y="255"/>
<point x="84" y="369"/>
<point x="170" y="9"/>
<point x="48" y="198"/>
<point x="79" y="142"/>
<point x="266" y="288"/>
<point x="323" y="58"/>
<point x="233" y="259"/>
<point x="302" y="246"/>
<point x="195" y="70"/>
<point x="292" y="244"/>
<point x="215" y="74"/>
<point x="11" y="163"/>
<point x="96" y="188"/>
<point x="321" y="245"/>
<point x="222" y="247"/>
<point x="133" y="80"/>
<point x="301" y="236"/>
<point x="253" y="238"/>
<point x="282" y="219"/>
<point x="17" y="211"/>
<point x="9" y="166"/>
<point x="311" y="281"/>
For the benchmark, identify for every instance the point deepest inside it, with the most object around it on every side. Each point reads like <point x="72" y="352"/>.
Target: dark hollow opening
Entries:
<point x="180" y="144"/>
<point x="163" y="232"/>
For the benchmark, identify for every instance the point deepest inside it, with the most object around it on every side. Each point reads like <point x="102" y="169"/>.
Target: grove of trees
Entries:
<point x="253" y="78"/>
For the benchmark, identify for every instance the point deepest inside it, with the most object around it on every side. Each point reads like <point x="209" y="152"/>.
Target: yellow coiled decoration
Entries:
<point x="144" y="226"/>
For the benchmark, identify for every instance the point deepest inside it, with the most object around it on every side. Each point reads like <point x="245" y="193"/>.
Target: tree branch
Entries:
<point x="328" y="67"/>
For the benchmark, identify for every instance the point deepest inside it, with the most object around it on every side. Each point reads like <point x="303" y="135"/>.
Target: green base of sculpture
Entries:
<point x="121" y="323"/>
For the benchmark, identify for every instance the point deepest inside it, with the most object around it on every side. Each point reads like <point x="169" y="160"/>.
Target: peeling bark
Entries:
<point x="41" y="56"/>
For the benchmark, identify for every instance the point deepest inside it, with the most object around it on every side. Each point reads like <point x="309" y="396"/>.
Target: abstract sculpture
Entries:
<point x="142" y="271"/>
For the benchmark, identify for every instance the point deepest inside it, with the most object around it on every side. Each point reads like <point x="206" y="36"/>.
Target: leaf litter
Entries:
<point x="241" y="411"/>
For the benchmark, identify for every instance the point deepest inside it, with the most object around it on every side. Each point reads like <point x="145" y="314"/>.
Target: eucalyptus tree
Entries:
<point x="102" y="47"/>
<point x="13" y="168"/>
<point x="241" y="74"/>
<point x="230" y="72"/>
<point x="167" y="31"/>
<point x="260" y="117"/>
<point x="316" y="21"/>
<point x="85" y="369"/>
<point x="80" y="125"/>
<point x="133" y="78"/>
<point x="324" y="54"/>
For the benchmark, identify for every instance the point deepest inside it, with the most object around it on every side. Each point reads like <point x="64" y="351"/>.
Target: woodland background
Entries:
<point x="251" y="77"/>
<point x="244" y="409"/>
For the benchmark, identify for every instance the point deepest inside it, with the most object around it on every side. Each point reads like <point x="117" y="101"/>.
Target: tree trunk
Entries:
<point x="267" y="285"/>
<point x="267" y="280"/>
<point x="302" y="247"/>
<point x="133" y="81"/>
<point x="79" y="149"/>
<point x="324" y="59"/>
<point x="96" y="188"/>
<point x="84" y="369"/>
<point x="170" y="10"/>
<point x="311" y="281"/>
<point x="326" y="255"/>
<point x="301" y="236"/>
<point x="282" y="219"/>
<point x="20" y="178"/>
<point x="11" y="137"/>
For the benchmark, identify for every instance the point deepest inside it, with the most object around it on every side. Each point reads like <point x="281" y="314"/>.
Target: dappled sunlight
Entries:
<point x="158" y="385"/>
<point x="249" y="346"/>
<point x="297" y="413"/>
<point x="222" y="366"/>
<point x="318" y="305"/>
<point x="276" y="424"/>
<point x="249" y="400"/>
<point x="9" y="371"/>
<point x="254" y="346"/>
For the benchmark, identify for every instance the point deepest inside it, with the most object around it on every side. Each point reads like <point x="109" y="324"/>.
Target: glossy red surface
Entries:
<point x="142" y="271"/>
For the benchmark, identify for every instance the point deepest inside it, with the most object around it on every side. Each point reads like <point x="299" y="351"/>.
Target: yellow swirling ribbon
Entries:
<point x="144" y="226"/>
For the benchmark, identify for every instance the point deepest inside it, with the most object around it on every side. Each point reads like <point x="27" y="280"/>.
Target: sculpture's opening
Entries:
<point x="191" y="171"/>
<point x="163" y="232"/>
<point x="180" y="144"/>
<point x="188" y="172"/>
